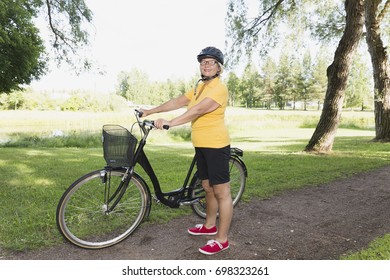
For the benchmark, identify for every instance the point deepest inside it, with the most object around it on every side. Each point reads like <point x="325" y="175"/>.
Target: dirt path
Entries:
<point x="322" y="222"/>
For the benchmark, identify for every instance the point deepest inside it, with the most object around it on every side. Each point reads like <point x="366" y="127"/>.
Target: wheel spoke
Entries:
<point x="82" y="215"/>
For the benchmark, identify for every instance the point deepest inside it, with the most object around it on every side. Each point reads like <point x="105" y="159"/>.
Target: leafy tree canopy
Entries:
<point x="22" y="51"/>
<point x="21" y="48"/>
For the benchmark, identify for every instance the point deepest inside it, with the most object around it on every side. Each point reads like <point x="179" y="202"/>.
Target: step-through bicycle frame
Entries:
<point x="173" y="198"/>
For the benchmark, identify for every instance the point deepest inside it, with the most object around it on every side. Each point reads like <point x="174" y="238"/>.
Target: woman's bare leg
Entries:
<point x="225" y="208"/>
<point x="211" y="205"/>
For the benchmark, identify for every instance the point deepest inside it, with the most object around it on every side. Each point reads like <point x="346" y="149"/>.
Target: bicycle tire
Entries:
<point x="82" y="216"/>
<point x="237" y="187"/>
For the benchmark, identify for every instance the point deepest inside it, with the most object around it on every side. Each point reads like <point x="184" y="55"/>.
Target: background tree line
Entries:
<point x="291" y="81"/>
<point x="296" y="82"/>
<point x="75" y="100"/>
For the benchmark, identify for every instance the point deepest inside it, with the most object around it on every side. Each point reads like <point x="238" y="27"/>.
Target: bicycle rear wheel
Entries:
<point x="237" y="187"/>
<point x="83" y="215"/>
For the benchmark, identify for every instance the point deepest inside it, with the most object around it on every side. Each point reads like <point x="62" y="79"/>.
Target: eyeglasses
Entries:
<point x="208" y="62"/>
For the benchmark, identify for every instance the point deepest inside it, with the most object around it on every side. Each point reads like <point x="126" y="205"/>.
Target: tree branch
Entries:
<point x="263" y="18"/>
<point x="384" y="11"/>
<point x="57" y="34"/>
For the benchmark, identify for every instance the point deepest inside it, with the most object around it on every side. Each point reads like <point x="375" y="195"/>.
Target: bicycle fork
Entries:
<point x="105" y="176"/>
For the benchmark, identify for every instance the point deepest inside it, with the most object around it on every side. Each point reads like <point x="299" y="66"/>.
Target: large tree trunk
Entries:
<point x="337" y="73"/>
<point x="381" y="71"/>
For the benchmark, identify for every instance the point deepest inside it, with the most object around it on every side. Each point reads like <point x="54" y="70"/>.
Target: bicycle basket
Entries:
<point x="118" y="146"/>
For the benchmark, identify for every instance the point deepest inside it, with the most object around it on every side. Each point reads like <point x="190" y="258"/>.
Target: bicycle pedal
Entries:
<point x="189" y="201"/>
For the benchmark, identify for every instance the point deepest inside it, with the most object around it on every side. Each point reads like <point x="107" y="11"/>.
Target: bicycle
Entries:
<point x="105" y="206"/>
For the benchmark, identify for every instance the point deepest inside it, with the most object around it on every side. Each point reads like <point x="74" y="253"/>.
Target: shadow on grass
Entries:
<point x="35" y="178"/>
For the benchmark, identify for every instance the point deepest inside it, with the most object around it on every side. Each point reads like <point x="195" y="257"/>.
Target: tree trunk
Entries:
<point x="381" y="72"/>
<point x="337" y="73"/>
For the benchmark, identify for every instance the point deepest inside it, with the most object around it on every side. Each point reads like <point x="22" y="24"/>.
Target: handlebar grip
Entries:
<point x="140" y="113"/>
<point x="152" y="123"/>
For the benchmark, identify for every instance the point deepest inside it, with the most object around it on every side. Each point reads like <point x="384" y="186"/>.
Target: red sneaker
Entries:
<point x="213" y="246"/>
<point x="202" y="230"/>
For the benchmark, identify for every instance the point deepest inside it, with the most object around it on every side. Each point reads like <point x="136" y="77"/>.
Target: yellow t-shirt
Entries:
<point x="209" y="130"/>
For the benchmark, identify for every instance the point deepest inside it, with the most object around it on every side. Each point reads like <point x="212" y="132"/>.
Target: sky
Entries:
<point x="161" y="38"/>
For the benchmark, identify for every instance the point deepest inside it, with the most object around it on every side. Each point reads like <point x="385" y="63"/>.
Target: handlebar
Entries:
<point x="139" y="113"/>
<point x="149" y="123"/>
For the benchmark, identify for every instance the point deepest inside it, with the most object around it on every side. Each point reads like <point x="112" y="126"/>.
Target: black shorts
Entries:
<point x="213" y="164"/>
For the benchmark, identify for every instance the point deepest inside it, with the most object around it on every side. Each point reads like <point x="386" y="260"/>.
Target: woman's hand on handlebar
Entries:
<point x="162" y="124"/>
<point x="144" y="113"/>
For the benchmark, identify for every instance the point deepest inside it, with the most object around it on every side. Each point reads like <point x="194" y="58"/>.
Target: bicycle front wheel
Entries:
<point x="84" y="214"/>
<point x="237" y="187"/>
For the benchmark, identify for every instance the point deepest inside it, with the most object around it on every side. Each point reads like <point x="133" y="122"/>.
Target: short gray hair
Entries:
<point x="220" y="67"/>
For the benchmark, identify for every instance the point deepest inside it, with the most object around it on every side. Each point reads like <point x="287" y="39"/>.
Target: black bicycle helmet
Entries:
<point x="211" y="52"/>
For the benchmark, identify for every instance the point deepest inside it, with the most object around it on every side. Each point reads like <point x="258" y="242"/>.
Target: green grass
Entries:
<point x="379" y="249"/>
<point x="36" y="171"/>
<point x="73" y="139"/>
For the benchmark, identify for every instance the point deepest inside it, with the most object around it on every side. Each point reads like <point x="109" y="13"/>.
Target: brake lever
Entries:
<point x="149" y="122"/>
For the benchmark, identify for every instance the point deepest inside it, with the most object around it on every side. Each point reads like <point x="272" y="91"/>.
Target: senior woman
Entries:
<point x="206" y="104"/>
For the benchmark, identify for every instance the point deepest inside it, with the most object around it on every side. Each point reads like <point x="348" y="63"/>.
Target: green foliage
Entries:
<point x="182" y="133"/>
<point x="21" y="48"/>
<point x="22" y="52"/>
<point x="134" y="86"/>
<point x="65" y="19"/>
<point x="233" y="84"/>
<point x="284" y="81"/>
<point x="359" y="91"/>
<point x="64" y="101"/>
<point x="137" y="88"/>
<point x="330" y="20"/>
<point x="319" y="79"/>
<point x="74" y="139"/>
<point x="250" y="86"/>
<point x="256" y="27"/>
<point x="296" y="82"/>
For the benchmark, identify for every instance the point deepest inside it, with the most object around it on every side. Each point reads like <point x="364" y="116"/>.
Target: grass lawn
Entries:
<point x="36" y="174"/>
